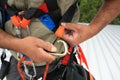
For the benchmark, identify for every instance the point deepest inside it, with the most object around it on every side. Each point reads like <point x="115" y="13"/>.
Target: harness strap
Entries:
<point x="67" y="17"/>
<point x="81" y="57"/>
<point x="28" y="14"/>
<point x="3" y="15"/>
<point x="50" y="7"/>
<point x="66" y="58"/>
<point x="46" y="71"/>
<point x="19" y="68"/>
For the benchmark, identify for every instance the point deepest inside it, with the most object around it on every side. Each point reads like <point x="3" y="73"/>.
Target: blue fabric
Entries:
<point x="47" y="21"/>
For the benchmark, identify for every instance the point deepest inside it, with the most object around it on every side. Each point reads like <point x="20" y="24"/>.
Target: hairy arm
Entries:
<point x="108" y="11"/>
<point x="30" y="46"/>
<point x="8" y="41"/>
<point x="81" y="32"/>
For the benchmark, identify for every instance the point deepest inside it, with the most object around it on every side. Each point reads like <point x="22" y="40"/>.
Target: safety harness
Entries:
<point x="50" y="16"/>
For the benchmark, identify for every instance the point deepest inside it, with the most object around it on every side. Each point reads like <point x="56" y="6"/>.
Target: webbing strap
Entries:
<point x="2" y="2"/>
<point x="54" y="11"/>
<point x="67" y="17"/>
<point x="52" y="5"/>
<point x="82" y="58"/>
<point x="2" y="18"/>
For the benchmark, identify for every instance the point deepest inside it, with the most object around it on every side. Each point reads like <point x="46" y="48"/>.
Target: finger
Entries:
<point x="68" y="39"/>
<point x="47" y="46"/>
<point x="46" y="56"/>
<point x="70" y="26"/>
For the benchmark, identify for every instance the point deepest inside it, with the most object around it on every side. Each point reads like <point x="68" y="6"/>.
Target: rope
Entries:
<point x="19" y="67"/>
<point x="80" y="56"/>
<point x="46" y="71"/>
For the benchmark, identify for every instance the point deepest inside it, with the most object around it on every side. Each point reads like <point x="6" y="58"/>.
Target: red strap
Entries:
<point x="5" y="6"/>
<point x="81" y="56"/>
<point x="19" y="68"/>
<point x="66" y="58"/>
<point x="43" y="7"/>
<point x="46" y="71"/>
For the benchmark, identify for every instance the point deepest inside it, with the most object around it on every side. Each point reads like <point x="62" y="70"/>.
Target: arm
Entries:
<point x="30" y="46"/>
<point x="81" y="32"/>
<point x="108" y="11"/>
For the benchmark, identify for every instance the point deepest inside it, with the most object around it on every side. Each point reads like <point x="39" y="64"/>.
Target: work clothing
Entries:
<point x="37" y="28"/>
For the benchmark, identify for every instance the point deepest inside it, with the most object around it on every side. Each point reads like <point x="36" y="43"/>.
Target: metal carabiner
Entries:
<point x="28" y="31"/>
<point x="27" y="71"/>
<point x="18" y="32"/>
<point x="65" y="47"/>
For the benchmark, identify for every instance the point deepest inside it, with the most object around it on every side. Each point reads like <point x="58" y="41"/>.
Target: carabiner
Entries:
<point x="28" y="31"/>
<point x="65" y="47"/>
<point x="27" y="71"/>
<point x="18" y="32"/>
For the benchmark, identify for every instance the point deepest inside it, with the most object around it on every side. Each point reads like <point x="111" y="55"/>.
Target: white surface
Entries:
<point x="103" y="53"/>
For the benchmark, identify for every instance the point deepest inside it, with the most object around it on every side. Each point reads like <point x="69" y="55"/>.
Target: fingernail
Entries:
<point x="54" y="49"/>
<point x="63" y="24"/>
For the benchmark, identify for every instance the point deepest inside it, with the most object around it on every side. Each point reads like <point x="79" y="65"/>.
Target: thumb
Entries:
<point x="49" y="47"/>
<point x="69" y="26"/>
<point x="65" y="24"/>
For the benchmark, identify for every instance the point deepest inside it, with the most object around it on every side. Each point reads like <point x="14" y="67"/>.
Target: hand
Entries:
<point x="76" y="33"/>
<point x="36" y="49"/>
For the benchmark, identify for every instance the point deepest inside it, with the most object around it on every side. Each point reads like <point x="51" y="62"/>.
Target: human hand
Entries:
<point x="76" y="33"/>
<point x="36" y="49"/>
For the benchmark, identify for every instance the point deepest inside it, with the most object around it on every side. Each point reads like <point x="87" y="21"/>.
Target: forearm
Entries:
<point x="108" y="11"/>
<point x="8" y="41"/>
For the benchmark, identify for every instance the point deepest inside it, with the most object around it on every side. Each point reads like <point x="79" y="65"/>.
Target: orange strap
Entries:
<point x="19" y="67"/>
<point x="46" y="71"/>
<point x="81" y="57"/>
<point x="60" y="31"/>
<point x="28" y="62"/>
<point x="24" y="23"/>
<point x="15" y="20"/>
